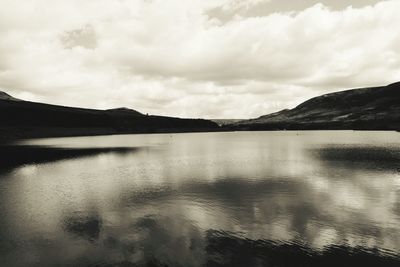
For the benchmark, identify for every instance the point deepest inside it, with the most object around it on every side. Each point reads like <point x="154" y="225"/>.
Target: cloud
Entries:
<point x="237" y="5"/>
<point x="84" y="37"/>
<point x="172" y="57"/>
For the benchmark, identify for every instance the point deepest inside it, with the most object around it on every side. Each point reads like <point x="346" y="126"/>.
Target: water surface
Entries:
<point x="316" y="198"/>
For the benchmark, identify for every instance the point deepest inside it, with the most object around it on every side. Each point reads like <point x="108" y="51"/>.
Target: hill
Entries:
<point x="4" y="96"/>
<point x="24" y="119"/>
<point x="375" y="108"/>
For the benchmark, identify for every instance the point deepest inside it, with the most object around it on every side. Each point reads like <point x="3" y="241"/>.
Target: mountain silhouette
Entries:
<point x="24" y="119"/>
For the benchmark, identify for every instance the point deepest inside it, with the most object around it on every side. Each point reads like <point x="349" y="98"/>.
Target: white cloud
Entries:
<point x="235" y="5"/>
<point x="170" y="57"/>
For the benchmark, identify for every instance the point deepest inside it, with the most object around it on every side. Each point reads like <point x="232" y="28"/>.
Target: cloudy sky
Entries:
<point x="197" y="58"/>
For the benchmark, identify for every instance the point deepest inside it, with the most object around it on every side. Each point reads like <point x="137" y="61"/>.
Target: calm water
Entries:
<point x="202" y="199"/>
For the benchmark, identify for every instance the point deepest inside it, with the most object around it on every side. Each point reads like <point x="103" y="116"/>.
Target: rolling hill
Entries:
<point x="375" y="108"/>
<point x="24" y="119"/>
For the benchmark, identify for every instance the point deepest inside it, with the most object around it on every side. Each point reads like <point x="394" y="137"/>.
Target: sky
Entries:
<point x="200" y="58"/>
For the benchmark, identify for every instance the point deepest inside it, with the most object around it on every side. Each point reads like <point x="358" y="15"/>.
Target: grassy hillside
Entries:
<point x="376" y="108"/>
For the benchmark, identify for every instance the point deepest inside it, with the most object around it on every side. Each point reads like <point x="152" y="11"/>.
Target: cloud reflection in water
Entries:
<point x="222" y="199"/>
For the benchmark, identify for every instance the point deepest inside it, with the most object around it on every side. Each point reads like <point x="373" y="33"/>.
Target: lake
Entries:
<point x="318" y="198"/>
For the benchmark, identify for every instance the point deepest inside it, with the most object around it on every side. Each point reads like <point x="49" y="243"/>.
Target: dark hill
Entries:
<point x="376" y="108"/>
<point x="29" y="119"/>
<point x="125" y="111"/>
<point x="5" y="96"/>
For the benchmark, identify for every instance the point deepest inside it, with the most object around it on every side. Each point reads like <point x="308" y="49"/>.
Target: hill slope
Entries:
<point x="22" y="119"/>
<point x="376" y="108"/>
<point x="4" y="96"/>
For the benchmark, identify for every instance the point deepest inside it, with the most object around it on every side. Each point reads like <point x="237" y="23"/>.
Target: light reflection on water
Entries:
<point x="208" y="199"/>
